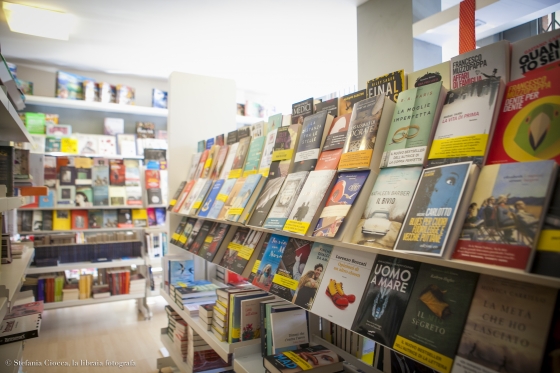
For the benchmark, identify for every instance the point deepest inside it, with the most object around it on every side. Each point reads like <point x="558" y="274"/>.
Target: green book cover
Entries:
<point x="35" y="123"/>
<point x="411" y="126"/>
<point x="254" y="156"/>
<point x="435" y="316"/>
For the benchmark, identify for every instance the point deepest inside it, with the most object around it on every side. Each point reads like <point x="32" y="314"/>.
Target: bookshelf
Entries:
<point x="87" y="230"/>
<point x="114" y="156"/>
<point x="173" y="355"/>
<point x="90" y="208"/>
<point x="248" y="360"/>
<point x="11" y="203"/>
<point x="84" y="302"/>
<point x="85" y="265"/>
<point x="12" y="275"/>
<point x="10" y="352"/>
<point x="11" y="126"/>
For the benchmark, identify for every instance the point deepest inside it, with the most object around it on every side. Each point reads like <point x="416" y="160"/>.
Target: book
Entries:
<point x="66" y="195"/>
<point x="67" y="176"/>
<point x="285" y="201"/>
<point x="433" y="74"/>
<point x="265" y="201"/>
<point x="526" y="129"/>
<point x="117" y="172"/>
<point x="52" y="144"/>
<point x="198" y="242"/>
<point x="266" y="159"/>
<point x="413" y="126"/>
<point x="219" y="161"/>
<point x="152" y="179"/>
<point x="95" y="218"/>
<point x="107" y="145"/>
<point x="389" y="85"/>
<point x="467" y="123"/>
<point x="37" y="221"/>
<point x="220" y="199"/>
<point x="312" y="197"/>
<point x="194" y="233"/>
<point x="125" y="95"/>
<point x="337" y="134"/>
<point x="228" y="163"/>
<point x="117" y="196"/>
<point x="107" y="92"/>
<point x="84" y="196"/>
<point x="489" y="62"/>
<point x="386" y="208"/>
<point x="292" y="361"/>
<point x="209" y="164"/>
<point x="251" y="317"/>
<point x="288" y="329"/>
<point x="311" y="275"/>
<point x="290" y="270"/>
<point x="330" y="106"/>
<point x="437" y="309"/>
<point x="124" y="218"/>
<point x="232" y="197"/>
<point x="181" y="271"/>
<point x="61" y="220"/>
<point x="126" y="144"/>
<point x="110" y="219"/>
<point x="344" y="281"/>
<point x="328" y="160"/>
<point x="346" y="103"/>
<point x="243" y="202"/>
<point x="239" y="159"/>
<point x="302" y="109"/>
<point x="506" y="327"/>
<point x="257" y="130"/>
<point x="159" y="98"/>
<point x="213" y="241"/>
<point x="339" y="202"/>
<point x="313" y="133"/>
<point x="533" y="52"/>
<point x="83" y="176"/>
<point x="140" y="218"/>
<point x="270" y="261"/>
<point x="145" y="130"/>
<point x="234" y="327"/>
<point x="79" y="219"/>
<point x="442" y="194"/>
<point x="49" y="200"/>
<point x="211" y="198"/>
<point x="87" y="144"/>
<point x="176" y="195"/>
<point x="113" y="126"/>
<point x="69" y="86"/>
<point x="240" y="250"/>
<point x="101" y="195"/>
<point x="23" y="322"/>
<point x="385" y="299"/>
<point x="504" y="230"/>
<point x="254" y="156"/>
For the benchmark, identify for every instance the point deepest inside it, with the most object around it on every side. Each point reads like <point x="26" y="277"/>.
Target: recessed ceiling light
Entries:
<point x="38" y="22"/>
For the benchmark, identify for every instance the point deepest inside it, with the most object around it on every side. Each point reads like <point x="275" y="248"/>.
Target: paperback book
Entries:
<point x="313" y="133"/>
<point x="301" y="110"/>
<point x="266" y="160"/>
<point x="389" y="85"/>
<point x="534" y="52"/>
<point x="312" y="275"/>
<point x="265" y="201"/>
<point x="285" y="201"/>
<point x="270" y="261"/>
<point x="346" y="103"/>
<point x="433" y="74"/>
<point x="221" y="198"/>
<point x="239" y="159"/>
<point x="337" y="134"/>
<point x="290" y="270"/>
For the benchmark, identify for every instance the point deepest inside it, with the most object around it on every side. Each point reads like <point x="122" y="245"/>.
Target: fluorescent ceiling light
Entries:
<point x="38" y="22"/>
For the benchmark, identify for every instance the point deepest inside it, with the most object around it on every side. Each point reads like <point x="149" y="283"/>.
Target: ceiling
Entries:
<point x="278" y="48"/>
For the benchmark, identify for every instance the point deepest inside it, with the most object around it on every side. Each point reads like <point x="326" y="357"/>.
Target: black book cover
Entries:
<point x="200" y="237"/>
<point x="330" y="106"/>
<point x="265" y="201"/>
<point x="7" y="169"/>
<point x="364" y="124"/>
<point x="176" y="195"/>
<point x="230" y="259"/>
<point x="302" y="109"/>
<point x="232" y="137"/>
<point x="384" y="303"/>
<point x="155" y="155"/>
<point x="67" y="175"/>
<point x="124" y="218"/>
<point x="309" y="145"/>
<point x="243" y="132"/>
<point x="154" y="196"/>
<point x="194" y="233"/>
<point x="178" y="230"/>
<point x="27" y="221"/>
<point x="346" y="103"/>
<point x="47" y="220"/>
<point x="211" y="247"/>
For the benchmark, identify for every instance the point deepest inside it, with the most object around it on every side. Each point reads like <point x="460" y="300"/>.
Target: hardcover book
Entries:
<point x="506" y="213"/>
<point x="117" y="172"/>
<point x="506" y="327"/>
<point x="310" y="199"/>
<point x="265" y="201"/>
<point x="301" y="110"/>
<point x="385" y="299"/>
<point x="435" y="204"/>
<point x="489" y="62"/>
<point x="346" y="103"/>
<point x="239" y="159"/>
<point x="312" y="274"/>
<point x="330" y="106"/>
<point x="87" y="144"/>
<point x="314" y="130"/>
<point x="433" y="322"/>
<point x="254" y="156"/>
<point x="536" y="51"/>
<point x="337" y="134"/>
<point x="339" y="203"/>
<point x="527" y="127"/>
<point x="389" y="85"/>
<point x="291" y="269"/>
<point x="221" y="198"/>
<point x="345" y="279"/>
<point x="270" y="261"/>
<point x="433" y="74"/>
<point x="101" y="195"/>
<point x="205" y="208"/>
<point x="266" y="160"/>
<point x="285" y="201"/>
<point x="413" y="126"/>
<point x="386" y="208"/>
<point x="467" y="123"/>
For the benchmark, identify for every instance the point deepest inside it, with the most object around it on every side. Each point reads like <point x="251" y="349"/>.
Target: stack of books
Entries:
<point x="137" y="284"/>
<point x="205" y="312"/>
<point x="70" y="292"/>
<point x="219" y="315"/>
<point x="201" y="357"/>
<point x="193" y="294"/>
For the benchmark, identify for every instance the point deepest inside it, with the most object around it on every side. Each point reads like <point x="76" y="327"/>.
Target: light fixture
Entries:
<point x="38" y="22"/>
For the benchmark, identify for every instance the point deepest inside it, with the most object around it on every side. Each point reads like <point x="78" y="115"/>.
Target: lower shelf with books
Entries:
<point x="222" y="348"/>
<point x="9" y="353"/>
<point x="84" y="265"/>
<point x="83" y="302"/>
<point x="34" y="233"/>
<point x="349" y="358"/>
<point x="11" y="275"/>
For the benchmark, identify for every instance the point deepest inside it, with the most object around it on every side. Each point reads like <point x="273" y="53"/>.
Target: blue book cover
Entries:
<point x="207" y="205"/>
<point x="48" y="200"/>
<point x="209" y="143"/>
<point x="432" y="211"/>
<point x="221" y="198"/>
<point x="240" y="201"/>
<point x="181" y="271"/>
<point x="270" y="261"/>
<point x="159" y="98"/>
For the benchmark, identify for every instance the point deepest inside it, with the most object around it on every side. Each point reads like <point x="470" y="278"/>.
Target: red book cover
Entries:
<point x="328" y="160"/>
<point x="183" y="196"/>
<point x="117" y="174"/>
<point x="152" y="179"/>
<point x="528" y="127"/>
<point x="80" y="219"/>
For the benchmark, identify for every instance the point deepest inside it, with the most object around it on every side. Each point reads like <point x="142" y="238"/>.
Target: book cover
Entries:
<point x="311" y="275"/>
<point x="232" y="138"/>
<point x="140" y="218"/>
<point x="386" y="208"/>
<point x="302" y="109"/>
<point x="194" y="233"/>
<point x="258" y="259"/>
<point x="66" y="195"/>
<point x="159" y="98"/>
<point x="266" y="159"/>
<point x="209" y="164"/>
<point x="234" y="327"/>
<point x="257" y="130"/>
<point x="67" y="175"/>
<point x="48" y="200"/>
<point x="250" y="321"/>
<point x="274" y="122"/>
<point x="330" y="106"/>
<point x="385" y="299"/>
<point x="221" y="198"/>
<point x="228" y="163"/>
<point x="527" y="128"/>
<point x="337" y="134"/>
<point x="286" y="142"/>
<point x="389" y="85"/>
<point x="100" y="175"/>
<point x="181" y="272"/>
<point x="213" y="241"/>
<point x="20" y="328"/>
<point x="489" y="62"/>
<point x="52" y="144"/>
<point x="113" y="126"/>
<point x="145" y="130"/>
<point x="69" y="86"/>
<point x="87" y="144"/>
<point x="339" y="202"/>
<point x="536" y="51"/>
<point x="309" y="200"/>
<point x="101" y="195"/>
<point x="243" y="132"/>
<point x="310" y="141"/>
<point x="107" y="145"/>
<point x="328" y="160"/>
<point x="265" y="201"/>
<point x="285" y="201"/>
<point x="37" y="221"/>
<point x="270" y="261"/>
<point x="344" y="281"/>
<point x="211" y="198"/>
<point x="437" y="309"/>
<point x="289" y="330"/>
<point x="61" y="220"/>
<point x="95" y="218"/>
<point x="346" y="103"/>
<point x="290" y="269"/>
<point x="412" y="126"/>
<point x="433" y="74"/>
<point x="84" y="196"/>
<point x="117" y="172"/>
<point x="241" y="249"/>
<point x="125" y="95"/>
<point x="195" y="191"/>
<point x="154" y="196"/>
<point x="239" y="202"/>
<point x="152" y="179"/>
<point x="126" y="144"/>
<point x="432" y="211"/>
<point x="289" y="361"/>
<point x="117" y="196"/>
<point x="110" y="219"/>
<point x="124" y="218"/>
<point x="240" y="157"/>
<point x="254" y="156"/>
<point x="506" y="214"/>
<point x="79" y="219"/>
<point x="219" y="160"/>
<point x="232" y="197"/>
<point x="198" y="242"/>
<point x="506" y="327"/>
<point x="83" y="176"/>
<point x="466" y="124"/>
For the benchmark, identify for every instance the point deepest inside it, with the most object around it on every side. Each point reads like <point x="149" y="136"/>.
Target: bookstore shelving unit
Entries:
<point x="240" y="119"/>
<point x="11" y="278"/>
<point x="172" y="358"/>
<point x="11" y="203"/>
<point x="84" y="302"/>
<point x="11" y="126"/>
<point x="84" y="265"/>
<point x="11" y="352"/>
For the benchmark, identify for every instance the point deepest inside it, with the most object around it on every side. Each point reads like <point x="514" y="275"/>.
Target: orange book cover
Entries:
<point x="183" y="196"/>
<point x="328" y="160"/>
<point x="80" y="219"/>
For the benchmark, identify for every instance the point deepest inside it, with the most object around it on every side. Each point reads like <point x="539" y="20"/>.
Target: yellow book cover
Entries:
<point x="69" y="145"/>
<point x="140" y="217"/>
<point x="61" y="220"/>
<point x="433" y="74"/>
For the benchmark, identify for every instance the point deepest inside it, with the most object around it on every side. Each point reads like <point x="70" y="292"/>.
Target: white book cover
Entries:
<point x="289" y="329"/>
<point x="20" y="328"/>
<point x="194" y="165"/>
<point x="266" y="159"/>
<point x="87" y="144"/>
<point x="251" y="317"/>
<point x="38" y="144"/>
<point x="126" y="144"/>
<point x="287" y="196"/>
<point x="348" y="270"/>
<point x="107" y="145"/>
<point x="489" y="62"/>
<point x="113" y="126"/>
<point x="229" y="161"/>
<point x="534" y="52"/>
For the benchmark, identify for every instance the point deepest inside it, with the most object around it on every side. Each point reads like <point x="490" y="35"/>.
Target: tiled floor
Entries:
<point x="111" y="331"/>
